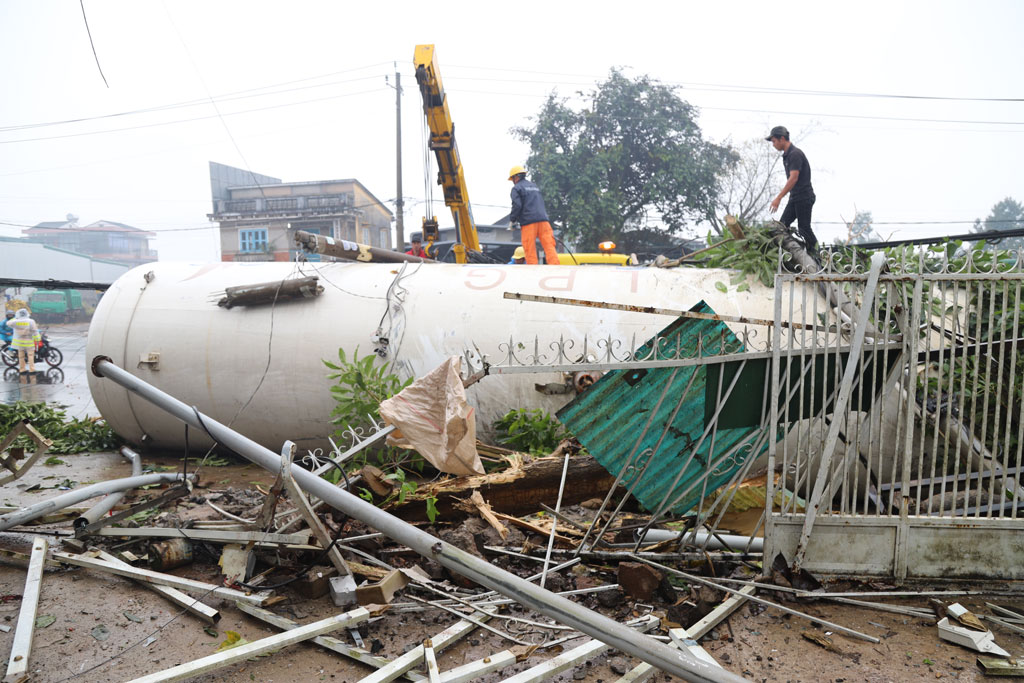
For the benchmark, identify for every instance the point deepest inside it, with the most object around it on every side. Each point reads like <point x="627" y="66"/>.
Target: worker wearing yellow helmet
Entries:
<point x="518" y="256"/>
<point x="528" y="210"/>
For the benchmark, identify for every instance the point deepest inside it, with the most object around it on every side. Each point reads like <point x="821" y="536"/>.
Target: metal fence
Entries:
<point x="898" y="406"/>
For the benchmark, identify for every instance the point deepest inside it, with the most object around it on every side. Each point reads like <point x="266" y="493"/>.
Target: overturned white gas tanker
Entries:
<point x="255" y="362"/>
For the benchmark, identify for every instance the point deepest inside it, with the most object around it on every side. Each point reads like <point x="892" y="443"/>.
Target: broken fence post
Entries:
<point x="193" y="605"/>
<point x="565" y="611"/>
<point x="131" y="572"/>
<point x="17" y="667"/>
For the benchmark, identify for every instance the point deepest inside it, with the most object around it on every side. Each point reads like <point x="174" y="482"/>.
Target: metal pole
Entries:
<point x="85" y="493"/>
<point x="399" y="203"/>
<point x="351" y="251"/>
<point x="107" y="503"/>
<point x="560" y="609"/>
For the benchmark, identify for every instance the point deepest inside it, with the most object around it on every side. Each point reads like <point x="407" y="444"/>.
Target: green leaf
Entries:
<point x="234" y="639"/>
<point x="745" y="287"/>
<point x="720" y="286"/>
<point x="44" y="620"/>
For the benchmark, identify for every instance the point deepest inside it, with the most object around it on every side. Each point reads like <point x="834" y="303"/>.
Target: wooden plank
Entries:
<point x="193" y="605"/>
<point x="514" y="491"/>
<point x="139" y="574"/>
<point x="17" y="667"/>
<point x="244" y="652"/>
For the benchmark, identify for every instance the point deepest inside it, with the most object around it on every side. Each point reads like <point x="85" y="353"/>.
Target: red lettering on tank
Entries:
<point x="496" y="273"/>
<point x="569" y="279"/>
<point x="634" y="281"/>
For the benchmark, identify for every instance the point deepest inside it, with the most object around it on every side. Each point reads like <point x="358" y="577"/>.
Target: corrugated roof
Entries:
<point x="621" y="421"/>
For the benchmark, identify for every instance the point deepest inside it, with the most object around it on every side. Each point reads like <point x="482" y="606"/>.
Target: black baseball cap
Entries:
<point x="778" y="132"/>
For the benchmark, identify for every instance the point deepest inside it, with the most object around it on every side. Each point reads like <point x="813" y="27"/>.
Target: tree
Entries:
<point x="635" y="147"/>
<point x="750" y="185"/>
<point x="1005" y="215"/>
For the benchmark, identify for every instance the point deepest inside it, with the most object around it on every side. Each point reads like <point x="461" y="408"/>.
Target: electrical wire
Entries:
<point x="224" y="97"/>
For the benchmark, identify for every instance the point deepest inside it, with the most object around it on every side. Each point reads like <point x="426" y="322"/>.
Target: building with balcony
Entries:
<point x="103" y="239"/>
<point x="258" y="215"/>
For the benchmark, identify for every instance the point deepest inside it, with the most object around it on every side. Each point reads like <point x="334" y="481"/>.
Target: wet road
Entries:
<point x="68" y="387"/>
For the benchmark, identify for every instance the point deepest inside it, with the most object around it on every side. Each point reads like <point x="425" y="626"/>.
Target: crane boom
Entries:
<point x="442" y="141"/>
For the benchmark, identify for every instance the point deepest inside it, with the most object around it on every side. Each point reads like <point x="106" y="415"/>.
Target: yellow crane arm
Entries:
<point x="442" y="141"/>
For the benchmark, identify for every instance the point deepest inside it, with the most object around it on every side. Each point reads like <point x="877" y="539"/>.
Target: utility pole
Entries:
<point x="399" y="202"/>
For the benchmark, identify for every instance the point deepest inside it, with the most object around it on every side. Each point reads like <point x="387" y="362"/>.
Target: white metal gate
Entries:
<point x="900" y="417"/>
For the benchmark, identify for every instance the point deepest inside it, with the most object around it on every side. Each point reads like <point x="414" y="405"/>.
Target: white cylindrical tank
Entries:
<point x="260" y="369"/>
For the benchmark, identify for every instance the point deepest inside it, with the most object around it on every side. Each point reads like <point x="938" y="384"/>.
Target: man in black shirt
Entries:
<point x="798" y="186"/>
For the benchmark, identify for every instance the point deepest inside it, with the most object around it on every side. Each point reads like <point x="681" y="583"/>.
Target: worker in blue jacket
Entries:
<point x="528" y="210"/>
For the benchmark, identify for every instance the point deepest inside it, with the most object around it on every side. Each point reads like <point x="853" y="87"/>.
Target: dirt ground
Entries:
<point x="106" y="628"/>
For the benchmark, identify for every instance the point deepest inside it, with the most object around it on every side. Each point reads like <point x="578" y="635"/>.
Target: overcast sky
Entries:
<point x="302" y="92"/>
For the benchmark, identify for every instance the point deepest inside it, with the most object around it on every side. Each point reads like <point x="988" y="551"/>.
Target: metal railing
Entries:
<point x="901" y="454"/>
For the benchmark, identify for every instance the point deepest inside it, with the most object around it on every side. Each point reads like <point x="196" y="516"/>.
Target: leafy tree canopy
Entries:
<point x="1007" y="214"/>
<point x="634" y="148"/>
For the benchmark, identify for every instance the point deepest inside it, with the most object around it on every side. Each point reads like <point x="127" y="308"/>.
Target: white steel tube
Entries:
<point x="85" y="493"/>
<point x="560" y="609"/>
<point x="109" y="501"/>
<point x="756" y="543"/>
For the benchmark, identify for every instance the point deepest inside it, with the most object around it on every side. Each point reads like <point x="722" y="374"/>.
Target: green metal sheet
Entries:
<point x="620" y="421"/>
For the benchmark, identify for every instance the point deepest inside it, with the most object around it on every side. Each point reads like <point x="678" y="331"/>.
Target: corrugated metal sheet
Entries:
<point x="610" y="420"/>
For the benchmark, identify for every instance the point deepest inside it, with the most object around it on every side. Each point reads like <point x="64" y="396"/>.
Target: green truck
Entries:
<point x="57" y="305"/>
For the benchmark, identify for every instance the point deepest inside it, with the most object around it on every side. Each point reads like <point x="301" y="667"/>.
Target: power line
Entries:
<point x="224" y="97"/>
<point x="753" y="89"/>
<point x="189" y="120"/>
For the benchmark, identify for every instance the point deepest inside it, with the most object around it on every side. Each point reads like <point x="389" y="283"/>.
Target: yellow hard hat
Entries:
<point x="519" y="253"/>
<point x="516" y="170"/>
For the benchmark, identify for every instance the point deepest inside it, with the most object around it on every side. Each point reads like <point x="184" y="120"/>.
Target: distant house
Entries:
<point x="103" y="239"/>
<point x="258" y="214"/>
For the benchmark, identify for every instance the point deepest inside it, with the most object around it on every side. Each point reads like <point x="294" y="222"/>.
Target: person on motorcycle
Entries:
<point x="26" y="335"/>
<point x="6" y="331"/>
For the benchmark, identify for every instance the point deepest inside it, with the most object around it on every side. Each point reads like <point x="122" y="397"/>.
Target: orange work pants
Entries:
<point x="531" y="232"/>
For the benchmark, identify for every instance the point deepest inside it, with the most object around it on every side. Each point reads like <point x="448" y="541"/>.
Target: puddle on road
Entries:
<point x="66" y="385"/>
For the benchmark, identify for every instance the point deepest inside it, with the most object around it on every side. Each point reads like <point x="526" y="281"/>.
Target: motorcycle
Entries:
<point x="45" y="352"/>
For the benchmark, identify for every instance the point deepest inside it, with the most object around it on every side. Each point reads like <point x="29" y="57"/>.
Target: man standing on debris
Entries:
<point x="528" y="210"/>
<point x="26" y="335"/>
<point x="417" y="246"/>
<point x="798" y="186"/>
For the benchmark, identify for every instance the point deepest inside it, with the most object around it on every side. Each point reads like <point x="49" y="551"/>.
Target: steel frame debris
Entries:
<point x="21" y="648"/>
<point x="10" y="462"/>
<point x="561" y="609"/>
<point x="243" y="652"/>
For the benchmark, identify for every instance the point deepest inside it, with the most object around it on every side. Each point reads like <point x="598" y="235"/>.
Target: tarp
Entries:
<point x="432" y="417"/>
